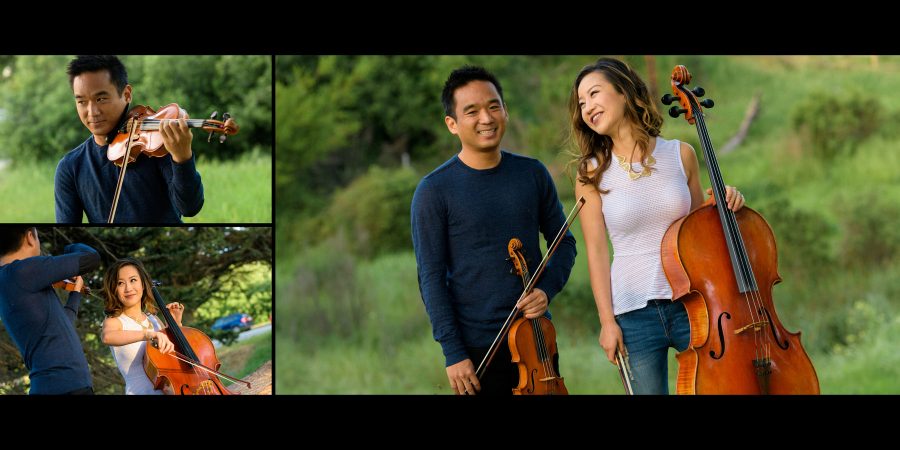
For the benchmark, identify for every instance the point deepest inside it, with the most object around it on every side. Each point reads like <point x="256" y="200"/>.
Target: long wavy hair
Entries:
<point x="114" y="306"/>
<point x="640" y="112"/>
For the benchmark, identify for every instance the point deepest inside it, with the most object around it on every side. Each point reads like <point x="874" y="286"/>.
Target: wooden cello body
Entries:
<point x="722" y="265"/>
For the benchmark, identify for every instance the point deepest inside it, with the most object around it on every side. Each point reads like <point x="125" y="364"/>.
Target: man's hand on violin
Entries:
<point x="534" y="305"/>
<point x="79" y="283"/>
<point x="177" y="138"/>
<point x="462" y="378"/>
<point x="177" y="310"/>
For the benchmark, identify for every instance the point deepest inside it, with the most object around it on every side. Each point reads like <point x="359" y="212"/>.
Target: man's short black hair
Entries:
<point x="11" y="237"/>
<point x="95" y="63"/>
<point x="461" y="77"/>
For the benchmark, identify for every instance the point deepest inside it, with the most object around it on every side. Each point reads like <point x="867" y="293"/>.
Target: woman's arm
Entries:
<point x="114" y="335"/>
<point x="593" y="227"/>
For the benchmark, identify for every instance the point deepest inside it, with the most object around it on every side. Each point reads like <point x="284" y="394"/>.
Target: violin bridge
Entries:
<point x="755" y="325"/>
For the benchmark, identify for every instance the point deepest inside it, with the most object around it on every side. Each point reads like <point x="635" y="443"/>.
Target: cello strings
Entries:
<point x="732" y="231"/>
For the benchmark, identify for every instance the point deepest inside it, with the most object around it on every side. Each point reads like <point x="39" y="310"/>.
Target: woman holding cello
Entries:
<point x="635" y="184"/>
<point x="181" y="360"/>
<point x="131" y="324"/>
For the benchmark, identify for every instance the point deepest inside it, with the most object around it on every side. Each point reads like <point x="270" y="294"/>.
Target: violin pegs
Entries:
<point x="708" y="103"/>
<point x="222" y="139"/>
<point x="214" y="114"/>
<point x="209" y="139"/>
<point x="668" y="99"/>
<point x="698" y="91"/>
<point x="226" y="116"/>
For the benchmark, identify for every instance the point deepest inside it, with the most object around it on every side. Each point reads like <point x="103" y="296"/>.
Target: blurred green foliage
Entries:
<point x="834" y="122"/>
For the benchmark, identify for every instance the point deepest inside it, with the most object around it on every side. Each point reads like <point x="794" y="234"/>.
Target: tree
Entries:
<point x="198" y="266"/>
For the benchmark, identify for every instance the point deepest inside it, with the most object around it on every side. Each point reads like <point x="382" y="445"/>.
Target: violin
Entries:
<point x="722" y="265"/>
<point x="69" y="285"/>
<point x="537" y="375"/>
<point x="191" y="369"/>
<point x="138" y="133"/>
<point x="532" y="343"/>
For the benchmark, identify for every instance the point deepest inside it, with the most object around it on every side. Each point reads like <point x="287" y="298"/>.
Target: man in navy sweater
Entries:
<point x="464" y="214"/>
<point x="42" y="329"/>
<point x="158" y="190"/>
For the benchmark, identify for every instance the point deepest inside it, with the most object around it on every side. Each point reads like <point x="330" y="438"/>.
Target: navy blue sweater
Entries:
<point x="155" y="190"/>
<point x="41" y="328"/>
<point x="462" y="221"/>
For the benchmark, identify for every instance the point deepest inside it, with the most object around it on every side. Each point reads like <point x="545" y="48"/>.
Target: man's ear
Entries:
<point x="31" y="239"/>
<point x="451" y="124"/>
<point x="127" y="93"/>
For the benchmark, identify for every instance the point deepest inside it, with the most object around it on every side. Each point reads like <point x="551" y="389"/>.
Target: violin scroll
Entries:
<point x="520" y="267"/>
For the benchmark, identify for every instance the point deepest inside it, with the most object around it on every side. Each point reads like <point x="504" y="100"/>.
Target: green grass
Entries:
<point x="235" y="191"/>
<point x="243" y="358"/>
<point x="27" y="193"/>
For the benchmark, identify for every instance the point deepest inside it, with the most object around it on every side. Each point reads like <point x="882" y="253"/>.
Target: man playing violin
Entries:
<point x="159" y="190"/>
<point x="41" y="327"/>
<point x="464" y="214"/>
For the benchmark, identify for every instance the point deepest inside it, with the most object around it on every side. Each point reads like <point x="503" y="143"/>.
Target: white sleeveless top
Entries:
<point x="130" y="358"/>
<point x="638" y="213"/>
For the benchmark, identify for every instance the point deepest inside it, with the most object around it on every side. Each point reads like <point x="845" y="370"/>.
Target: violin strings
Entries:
<point x="153" y="124"/>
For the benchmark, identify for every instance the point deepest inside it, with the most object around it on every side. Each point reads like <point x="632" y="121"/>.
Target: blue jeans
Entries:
<point x="648" y="333"/>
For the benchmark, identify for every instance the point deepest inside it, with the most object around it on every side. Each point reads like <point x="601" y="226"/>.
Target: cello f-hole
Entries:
<point x="775" y="333"/>
<point x="712" y="353"/>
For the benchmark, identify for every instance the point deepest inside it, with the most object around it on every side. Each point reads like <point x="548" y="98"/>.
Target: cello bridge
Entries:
<point x="755" y="325"/>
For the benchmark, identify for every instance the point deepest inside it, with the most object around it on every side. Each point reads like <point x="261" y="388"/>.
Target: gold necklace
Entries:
<point x="631" y="173"/>
<point x="140" y="322"/>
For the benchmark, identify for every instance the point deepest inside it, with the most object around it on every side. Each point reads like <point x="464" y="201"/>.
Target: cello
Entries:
<point x="532" y="342"/>
<point x="138" y="133"/>
<point x="722" y="265"/>
<point x="189" y="370"/>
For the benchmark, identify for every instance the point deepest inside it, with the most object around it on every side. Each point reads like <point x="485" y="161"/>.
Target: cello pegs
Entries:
<point x="668" y="99"/>
<point x="676" y="111"/>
